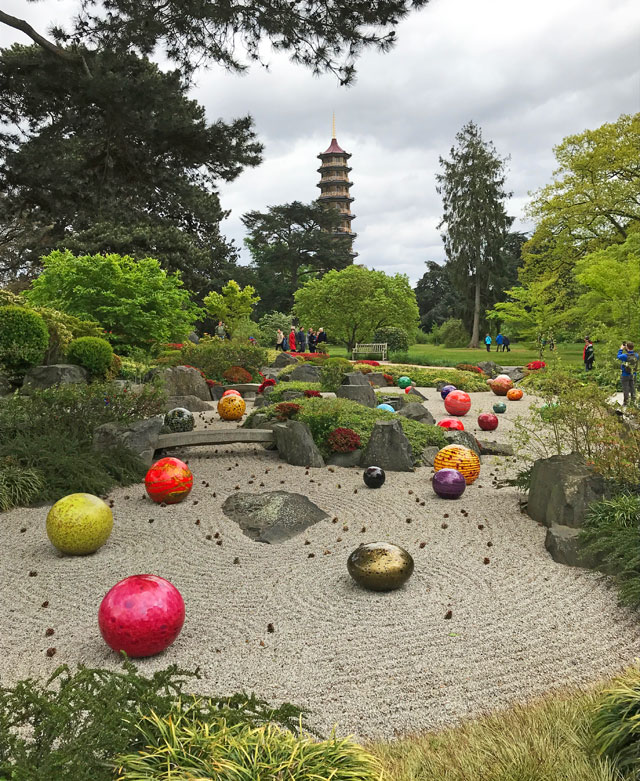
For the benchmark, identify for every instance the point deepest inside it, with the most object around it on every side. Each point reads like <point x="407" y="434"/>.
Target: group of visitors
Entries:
<point x="502" y="343"/>
<point x="300" y="341"/>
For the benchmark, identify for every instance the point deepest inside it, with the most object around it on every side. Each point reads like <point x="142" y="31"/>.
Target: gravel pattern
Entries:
<point x="487" y="618"/>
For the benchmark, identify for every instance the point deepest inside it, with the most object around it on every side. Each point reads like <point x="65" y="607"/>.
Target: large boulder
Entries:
<point x="282" y="360"/>
<point x="515" y="372"/>
<point x="272" y="516"/>
<point x="269" y="373"/>
<point x="363" y="394"/>
<point x="488" y="448"/>
<point x="41" y="377"/>
<point x="295" y="444"/>
<point x="305" y="372"/>
<point x="356" y="378"/>
<point x="182" y="381"/>
<point x="561" y="490"/>
<point x="416" y="411"/>
<point x="376" y="379"/>
<point x="463" y="438"/>
<point x="388" y="448"/>
<point x="429" y="454"/>
<point x="192" y="403"/>
<point x="140" y="437"/>
<point x="345" y="459"/>
<point x="490" y="368"/>
<point x="563" y="543"/>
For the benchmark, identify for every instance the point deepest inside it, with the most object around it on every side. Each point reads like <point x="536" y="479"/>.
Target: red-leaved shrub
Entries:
<point x="369" y="363"/>
<point x="265" y="384"/>
<point x="312" y="394"/>
<point x="237" y="374"/>
<point x="213" y="383"/>
<point x="535" y="365"/>
<point x="309" y="356"/>
<point x="343" y="440"/>
<point x="287" y="409"/>
<point x="467" y="367"/>
<point x="389" y="379"/>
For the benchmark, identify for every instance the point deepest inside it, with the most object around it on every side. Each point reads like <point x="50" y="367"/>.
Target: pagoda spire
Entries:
<point x="334" y="185"/>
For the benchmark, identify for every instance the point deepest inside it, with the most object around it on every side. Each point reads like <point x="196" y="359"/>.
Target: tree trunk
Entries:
<point x="475" y="334"/>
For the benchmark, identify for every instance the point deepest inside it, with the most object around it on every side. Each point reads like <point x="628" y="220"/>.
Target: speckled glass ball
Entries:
<point x="501" y="387"/>
<point x="487" y="421"/>
<point x="447" y="390"/>
<point x="448" y="483"/>
<point x="457" y="403"/>
<point x="404" y="382"/>
<point x="179" y="419"/>
<point x="374" y="477"/>
<point x="231" y="392"/>
<point x="451" y="423"/>
<point x="499" y="407"/>
<point x="386" y="407"/>
<point x="169" y="480"/>
<point x="231" y="407"/>
<point x="141" y="615"/>
<point x="461" y="458"/>
<point x="380" y="566"/>
<point x="79" y="524"/>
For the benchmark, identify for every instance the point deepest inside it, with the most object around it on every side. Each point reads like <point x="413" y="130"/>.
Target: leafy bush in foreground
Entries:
<point x="75" y="724"/>
<point x="617" y="724"/>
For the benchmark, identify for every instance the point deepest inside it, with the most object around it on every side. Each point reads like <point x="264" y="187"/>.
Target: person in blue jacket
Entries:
<point x="487" y="341"/>
<point x="629" y="359"/>
<point x="499" y="342"/>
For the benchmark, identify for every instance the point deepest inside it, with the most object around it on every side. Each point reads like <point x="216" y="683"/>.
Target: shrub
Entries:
<point x="452" y="333"/>
<point x="367" y="363"/>
<point x="116" y="366"/>
<point x="363" y="369"/>
<point x="616" y="723"/>
<point x="75" y="724"/>
<point x="312" y="394"/>
<point x="467" y="367"/>
<point x="18" y="485"/>
<point x="51" y="434"/>
<point x="215" y="356"/>
<point x="93" y="353"/>
<point x="316" y="358"/>
<point x="23" y="339"/>
<point x="217" y="750"/>
<point x="236" y="374"/>
<point x="287" y="410"/>
<point x="295" y="385"/>
<point x="343" y="440"/>
<point x="389" y="379"/>
<point x="429" y="378"/>
<point x="270" y="383"/>
<point x="535" y="365"/>
<point x="397" y="339"/>
<point x="333" y="372"/>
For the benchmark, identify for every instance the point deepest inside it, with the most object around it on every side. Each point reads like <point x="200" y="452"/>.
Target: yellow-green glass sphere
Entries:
<point x="380" y="566"/>
<point x="79" y="524"/>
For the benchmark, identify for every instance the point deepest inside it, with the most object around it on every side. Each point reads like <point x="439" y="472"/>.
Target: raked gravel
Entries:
<point x="377" y="665"/>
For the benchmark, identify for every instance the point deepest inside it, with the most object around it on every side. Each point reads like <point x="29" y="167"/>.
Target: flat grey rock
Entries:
<point x="306" y="372"/>
<point x="182" y="381"/>
<point x="388" y="448"/>
<point x="463" y="438"/>
<point x="356" y="378"/>
<point x="42" y="377"/>
<point x="416" y="411"/>
<point x="345" y="459"/>
<point x="140" y="437"/>
<point x="563" y="543"/>
<point x="282" y="360"/>
<point x="429" y="455"/>
<point x="377" y="380"/>
<point x="272" y="516"/>
<point x="494" y="448"/>
<point x="362" y="394"/>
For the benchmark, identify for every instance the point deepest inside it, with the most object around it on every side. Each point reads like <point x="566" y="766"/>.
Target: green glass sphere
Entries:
<point x="404" y="382"/>
<point x="499" y="407"/>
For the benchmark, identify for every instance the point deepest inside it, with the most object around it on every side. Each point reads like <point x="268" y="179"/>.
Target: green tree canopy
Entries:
<point x="120" y="162"/>
<point x="291" y="243"/>
<point x="234" y="305"/>
<point x="350" y="304"/>
<point x="135" y="301"/>
<point x="476" y="223"/>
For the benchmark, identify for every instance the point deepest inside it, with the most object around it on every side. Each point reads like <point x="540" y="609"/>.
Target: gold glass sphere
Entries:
<point x="231" y="407"/>
<point x="380" y="566"/>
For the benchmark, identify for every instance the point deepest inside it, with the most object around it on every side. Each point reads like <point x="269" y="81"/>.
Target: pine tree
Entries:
<point x="475" y="220"/>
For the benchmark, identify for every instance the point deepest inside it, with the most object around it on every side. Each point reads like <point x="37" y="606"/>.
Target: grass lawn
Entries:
<point x="521" y="354"/>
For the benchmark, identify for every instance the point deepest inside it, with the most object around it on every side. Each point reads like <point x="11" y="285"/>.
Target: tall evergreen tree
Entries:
<point x="474" y="217"/>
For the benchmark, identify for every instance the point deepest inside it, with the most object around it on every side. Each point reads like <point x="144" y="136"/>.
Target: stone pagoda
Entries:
<point x="334" y="185"/>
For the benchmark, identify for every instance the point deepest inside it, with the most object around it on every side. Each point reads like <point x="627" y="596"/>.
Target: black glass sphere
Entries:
<point x="373" y="476"/>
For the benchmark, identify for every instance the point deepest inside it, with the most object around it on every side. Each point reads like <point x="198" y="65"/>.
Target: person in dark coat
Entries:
<point x="322" y="337"/>
<point x="301" y="340"/>
<point x="588" y="354"/>
<point x="505" y="344"/>
<point x="313" y="339"/>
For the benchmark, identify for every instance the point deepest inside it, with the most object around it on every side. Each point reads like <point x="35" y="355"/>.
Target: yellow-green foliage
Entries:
<point x="95" y="354"/>
<point x="180" y="748"/>
<point x="429" y="378"/>
<point x="617" y="723"/>
<point x="550" y="740"/>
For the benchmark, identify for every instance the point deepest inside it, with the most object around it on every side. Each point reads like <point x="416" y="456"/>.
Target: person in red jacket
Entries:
<point x="292" y="340"/>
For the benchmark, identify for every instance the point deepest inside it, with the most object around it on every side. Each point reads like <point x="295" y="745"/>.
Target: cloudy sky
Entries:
<point x="529" y="73"/>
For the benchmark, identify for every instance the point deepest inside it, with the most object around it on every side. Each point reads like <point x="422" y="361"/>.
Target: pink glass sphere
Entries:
<point x="141" y="615"/>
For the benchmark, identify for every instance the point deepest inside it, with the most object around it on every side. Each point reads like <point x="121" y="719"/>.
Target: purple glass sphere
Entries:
<point x="447" y="390"/>
<point x="448" y="483"/>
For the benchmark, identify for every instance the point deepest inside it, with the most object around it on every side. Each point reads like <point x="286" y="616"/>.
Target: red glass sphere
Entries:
<point x="141" y="615"/>
<point x="231" y="392"/>
<point x="488" y="421"/>
<point x="169" y="480"/>
<point x="451" y="423"/>
<point x="457" y="403"/>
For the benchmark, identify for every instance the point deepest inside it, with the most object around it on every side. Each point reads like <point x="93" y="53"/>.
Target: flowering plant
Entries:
<point x="310" y="394"/>
<point x="389" y="379"/>
<point x="467" y="367"/>
<point x="343" y="440"/>
<point x="309" y="356"/>
<point x="369" y="363"/>
<point x="265" y="384"/>
<point x="535" y="365"/>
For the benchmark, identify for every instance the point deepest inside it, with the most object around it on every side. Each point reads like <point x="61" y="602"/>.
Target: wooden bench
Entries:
<point x="219" y="437"/>
<point x="370" y="349"/>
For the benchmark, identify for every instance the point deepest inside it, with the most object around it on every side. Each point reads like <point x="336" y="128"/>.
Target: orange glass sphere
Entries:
<point x="457" y="403"/>
<point x="501" y="387"/>
<point x="169" y="480"/>
<point x="461" y="458"/>
<point x="231" y="392"/>
<point x="514" y="394"/>
<point x="231" y="407"/>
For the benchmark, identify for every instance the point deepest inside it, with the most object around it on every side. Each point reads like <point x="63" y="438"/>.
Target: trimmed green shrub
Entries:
<point x="397" y="339"/>
<point x="294" y="385"/>
<point x="23" y="339"/>
<point x="92" y="353"/>
<point x="75" y="724"/>
<point x="429" y="378"/>
<point x="215" y="356"/>
<point x="452" y="333"/>
<point x="332" y="373"/>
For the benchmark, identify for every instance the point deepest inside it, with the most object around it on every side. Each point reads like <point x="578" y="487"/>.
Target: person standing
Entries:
<point x="588" y="354"/>
<point x="629" y="359"/>
<point x="505" y="344"/>
<point x="313" y="339"/>
<point x="292" y="340"/>
<point x="280" y="340"/>
<point x="322" y="338"/>
<point x="220" y="330"/>
<point x="301" y="340"/>
<point x="499" y="343"/>
<point x="487" y="341"/>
